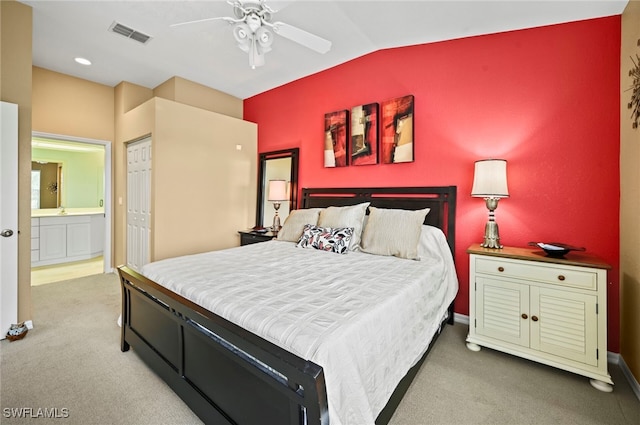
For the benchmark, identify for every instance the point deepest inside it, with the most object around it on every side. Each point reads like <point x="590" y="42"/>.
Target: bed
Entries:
<point x="207" y="325"/>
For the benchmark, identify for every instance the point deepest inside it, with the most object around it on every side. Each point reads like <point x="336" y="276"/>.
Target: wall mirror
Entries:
<point x="66" y="174"/>
<point x="46" y="184"/>
<point x="276" y="165"/>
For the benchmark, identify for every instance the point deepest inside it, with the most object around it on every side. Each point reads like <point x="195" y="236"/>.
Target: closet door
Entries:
<point x="138" y="203"/>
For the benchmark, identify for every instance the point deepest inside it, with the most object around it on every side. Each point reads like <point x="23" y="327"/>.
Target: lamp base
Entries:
<point x="276" y="223"/>
<point x="491" y="236"/>
<point x="276" y="218"/>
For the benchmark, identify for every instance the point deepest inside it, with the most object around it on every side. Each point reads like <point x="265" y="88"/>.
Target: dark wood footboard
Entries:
<point x="225" y="374"/>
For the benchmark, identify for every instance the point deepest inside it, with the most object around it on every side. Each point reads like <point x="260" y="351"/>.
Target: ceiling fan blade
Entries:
<point x="301" y="36"/>
<point x="229" y="20"/>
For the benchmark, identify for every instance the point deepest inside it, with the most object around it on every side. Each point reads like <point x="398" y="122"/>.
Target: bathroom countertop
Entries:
<point x="55" y="212"/>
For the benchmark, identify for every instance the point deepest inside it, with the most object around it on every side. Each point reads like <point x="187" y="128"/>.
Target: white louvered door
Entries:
<point x="500" y="308"/>
<point x="138" y="203"/>
<point x="566" y="326"/>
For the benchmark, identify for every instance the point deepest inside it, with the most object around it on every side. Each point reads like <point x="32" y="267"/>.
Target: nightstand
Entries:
<point x="248" y="237"/>
<point x="545" y="309"/>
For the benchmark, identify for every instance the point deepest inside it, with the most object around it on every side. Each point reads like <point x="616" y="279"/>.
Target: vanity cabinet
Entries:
<point x="53" y="241"/>
<point x="63" y="239"/>
<point x="550" y="310"/>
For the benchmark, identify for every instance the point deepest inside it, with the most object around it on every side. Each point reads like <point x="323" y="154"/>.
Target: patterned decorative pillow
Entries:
<point x="326" y="238"/>
<point x="349" y="216"/>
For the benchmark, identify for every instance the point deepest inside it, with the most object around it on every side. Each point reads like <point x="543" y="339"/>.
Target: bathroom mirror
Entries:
<point x="46" y="184"/>
<point x="276" y="165"/>
<point x="66" y="174"/>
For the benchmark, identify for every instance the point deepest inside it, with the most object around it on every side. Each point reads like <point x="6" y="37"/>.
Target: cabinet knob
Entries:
<point x="524" y="316"/>
<point x="561" y="277"/>
<point x="500" y="269"/>
<point x="534" y="318"/>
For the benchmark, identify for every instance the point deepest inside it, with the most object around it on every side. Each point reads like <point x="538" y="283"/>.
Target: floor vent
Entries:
<point x="129" y="33"/>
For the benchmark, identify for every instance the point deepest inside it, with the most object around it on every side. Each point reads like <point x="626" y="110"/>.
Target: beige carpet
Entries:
<point x="71" y="360"/>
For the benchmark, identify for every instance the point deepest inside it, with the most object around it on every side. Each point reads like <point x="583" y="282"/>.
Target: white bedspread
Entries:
<point x="366" y="319"/>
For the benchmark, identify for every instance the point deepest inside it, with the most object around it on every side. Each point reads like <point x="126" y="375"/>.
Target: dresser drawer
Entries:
<point x="557" y="275"/>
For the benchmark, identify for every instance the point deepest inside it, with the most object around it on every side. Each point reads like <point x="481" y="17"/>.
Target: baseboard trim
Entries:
<point x="633" y="383"/>
<point x="460" y="318"/>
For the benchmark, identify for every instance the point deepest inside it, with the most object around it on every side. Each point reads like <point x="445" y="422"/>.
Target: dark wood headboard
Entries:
<point x="440" y="199"/>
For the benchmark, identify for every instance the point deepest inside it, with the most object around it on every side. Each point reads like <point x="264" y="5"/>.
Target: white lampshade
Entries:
<point x="490" y="179"/>
<point x="277" y="190"/>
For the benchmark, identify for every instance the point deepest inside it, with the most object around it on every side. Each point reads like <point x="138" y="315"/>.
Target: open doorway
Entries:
<point x="71" y="208"/>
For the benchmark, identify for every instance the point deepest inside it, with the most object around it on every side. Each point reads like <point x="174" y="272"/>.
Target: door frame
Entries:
<point x="108" y="191"/>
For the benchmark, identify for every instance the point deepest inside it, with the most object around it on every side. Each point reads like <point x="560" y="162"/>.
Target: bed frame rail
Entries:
<point x="226" y="374"/>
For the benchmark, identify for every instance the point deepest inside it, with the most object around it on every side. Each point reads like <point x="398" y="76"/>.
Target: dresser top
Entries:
<point x="573" y="258"/>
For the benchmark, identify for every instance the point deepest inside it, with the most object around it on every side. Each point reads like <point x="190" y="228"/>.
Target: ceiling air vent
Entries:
<point x="129" y="33"/>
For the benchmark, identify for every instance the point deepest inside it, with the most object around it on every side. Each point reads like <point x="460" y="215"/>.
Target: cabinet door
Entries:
<point x="78" y="239"/>
<point x="499" y="309"/>
<point x="53" y="242"/>
<point x="565" y="324"/>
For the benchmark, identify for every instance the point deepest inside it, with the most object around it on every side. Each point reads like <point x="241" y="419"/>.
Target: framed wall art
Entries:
<point x="396" y="143"/>
<point x="364" y="134"/>
<point x="335" y="139"/>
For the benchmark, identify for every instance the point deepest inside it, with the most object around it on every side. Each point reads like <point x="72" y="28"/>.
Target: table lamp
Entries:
<point x="277" y="194"/>
<point x="490" y="183"/>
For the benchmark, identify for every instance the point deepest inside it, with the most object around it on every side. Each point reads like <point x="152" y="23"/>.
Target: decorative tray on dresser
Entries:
<point x="546" y="309"/>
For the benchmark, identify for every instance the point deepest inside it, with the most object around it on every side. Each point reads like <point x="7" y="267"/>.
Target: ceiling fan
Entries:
<point x="253" y="30"/>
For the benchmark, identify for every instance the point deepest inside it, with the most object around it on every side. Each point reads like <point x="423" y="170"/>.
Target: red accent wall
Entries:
<point x="545" y="99"/>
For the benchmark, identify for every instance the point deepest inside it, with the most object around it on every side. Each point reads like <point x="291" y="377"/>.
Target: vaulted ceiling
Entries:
<point x="207" y="52"/>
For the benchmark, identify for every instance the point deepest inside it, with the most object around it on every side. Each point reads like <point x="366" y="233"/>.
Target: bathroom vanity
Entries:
<point x="62" y="237"/>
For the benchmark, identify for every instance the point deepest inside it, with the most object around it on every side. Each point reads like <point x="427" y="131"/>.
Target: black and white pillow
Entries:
<point x="326" y="238"/>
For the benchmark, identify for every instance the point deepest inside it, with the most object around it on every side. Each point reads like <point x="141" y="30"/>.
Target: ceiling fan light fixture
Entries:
<point x="254" y="31"/>
<point x="264" y="38"/>
<point x="242" y="33"/>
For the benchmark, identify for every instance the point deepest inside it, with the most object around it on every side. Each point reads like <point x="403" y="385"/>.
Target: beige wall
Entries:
<point x="203" y="187"/>
<point x="72" y="106"/>
<point x="204" y="173"/>
<point x="629" y="199"/>
<point x="15" y="87"/>
<point x="203" y="97"/>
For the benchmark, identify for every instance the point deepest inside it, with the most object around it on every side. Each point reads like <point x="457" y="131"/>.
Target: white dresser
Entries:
<point x="549" y="310"/>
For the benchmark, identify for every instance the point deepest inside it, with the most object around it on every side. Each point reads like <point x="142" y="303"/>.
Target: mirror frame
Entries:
<point x="294" y="154"/>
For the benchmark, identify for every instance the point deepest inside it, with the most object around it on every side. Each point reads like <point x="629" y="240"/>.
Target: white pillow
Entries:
<point x="433" y="243"/>
<point x="393" y="232"/>
<point x="351" y="216"/>
<point x="294" y="224"/>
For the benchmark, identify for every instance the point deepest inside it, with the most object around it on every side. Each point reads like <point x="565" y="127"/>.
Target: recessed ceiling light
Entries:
<point x="83" y="61"/>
